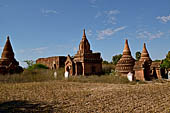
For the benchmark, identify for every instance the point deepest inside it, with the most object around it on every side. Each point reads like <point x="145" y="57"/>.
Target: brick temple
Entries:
<point x="54" y="62"/>
<point x="85" y="62"/>
<point x="126" y="62"/>
<point x="8" y="64"/>
<point x="144" y="69"/>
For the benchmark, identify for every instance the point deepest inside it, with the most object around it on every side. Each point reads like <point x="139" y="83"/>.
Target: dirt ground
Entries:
<point x="55" y="96"/>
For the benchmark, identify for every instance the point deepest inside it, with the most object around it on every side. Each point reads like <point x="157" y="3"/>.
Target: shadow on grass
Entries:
<point x="19" y="106"/>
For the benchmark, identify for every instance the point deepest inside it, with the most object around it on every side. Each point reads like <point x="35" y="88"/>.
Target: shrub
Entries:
<point x="116" y="58"/>
<point x="37" y="66"/>
<point x="36" y="75"/>
<point x="166" y="61"/>
<point x="107" y="68"/>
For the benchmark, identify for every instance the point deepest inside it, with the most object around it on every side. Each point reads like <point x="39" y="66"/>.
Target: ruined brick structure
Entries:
<point x="55" y="62"/>
<point x="8" y="64"/>
<point x="85" y="62"/>
<point x="144" y="69"/>
<point x="157" y="72"/>
<point x="126" y="63"/>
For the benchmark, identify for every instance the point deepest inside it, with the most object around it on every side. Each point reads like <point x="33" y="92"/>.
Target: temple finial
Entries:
<point x="126" y="49"/>
<point x="144" y="49"/>
<point x="84" y="33"/>
<point x="8" y="37"/>
<point x="144" y="54"/>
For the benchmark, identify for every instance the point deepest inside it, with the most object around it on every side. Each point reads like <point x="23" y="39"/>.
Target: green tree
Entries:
<point x="37" y="66"/>
<point x="105" y="62"/>
<point x="166" y="61"/>
<point x="29" y="62"/>
<point x="116" y="58"/>
<point x="168" y="55"/>
<point x="138" y="55"/>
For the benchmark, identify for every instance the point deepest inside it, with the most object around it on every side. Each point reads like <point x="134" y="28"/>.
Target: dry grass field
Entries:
<point x="70" y="97"/>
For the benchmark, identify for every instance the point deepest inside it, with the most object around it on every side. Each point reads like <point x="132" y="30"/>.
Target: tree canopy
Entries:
<point x="116" y="58"/>
<point x="166" y="61"/>
<point x="138" y="55"/>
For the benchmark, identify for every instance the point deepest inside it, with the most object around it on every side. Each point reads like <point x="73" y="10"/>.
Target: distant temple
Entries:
<point x="144" y="69"/>
<point x="85" y="62"/>
<point x="8" y="64"/>
<point x="55" y="62"/>
<point x="126" y="63"/>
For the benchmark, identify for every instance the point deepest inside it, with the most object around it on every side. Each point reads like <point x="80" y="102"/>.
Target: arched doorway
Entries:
<point x="79" y="68"/>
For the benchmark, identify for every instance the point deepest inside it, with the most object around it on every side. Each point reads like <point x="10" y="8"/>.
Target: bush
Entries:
<point x="36" y="75"/>
<point x="166" y="61"/>
<point x="165" y="64"/>
<point x="107" y="68"/>
<point x="116" y="58"/>
<point x="37" y="66"/>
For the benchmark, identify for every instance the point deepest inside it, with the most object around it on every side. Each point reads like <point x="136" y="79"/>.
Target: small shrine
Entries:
<point x="8" y="64"/>
<point x="85" y="62"/>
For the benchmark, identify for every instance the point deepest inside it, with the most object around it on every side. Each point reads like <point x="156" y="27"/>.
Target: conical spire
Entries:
<point x="126" y="50"/>
<point x="84" y="46"/>
<point x="7" y="51"/>
<point x="144" y="54"/>
<point x="144" y="49"/>
<point x="84" y="34"/>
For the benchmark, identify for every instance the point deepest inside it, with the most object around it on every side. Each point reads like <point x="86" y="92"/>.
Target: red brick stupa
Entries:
<point x="8" y="64"/>
<point x="126" y="63"/>
<point x="145" y="55"/>
<point x="142" y="67"/>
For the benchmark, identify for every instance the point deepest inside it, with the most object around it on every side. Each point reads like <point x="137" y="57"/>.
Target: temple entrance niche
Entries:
<point x="154" y="73"/>
<point x="54" y="65"/>
<point x="93" y="69"/>
<point x="68" y="69"/>
<point x="79" y="68"/>
<point x="146" y="67"/>
<point x="146" y="71"/>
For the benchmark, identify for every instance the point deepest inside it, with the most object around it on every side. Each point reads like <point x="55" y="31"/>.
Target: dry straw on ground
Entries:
<point x="55" y="96"/>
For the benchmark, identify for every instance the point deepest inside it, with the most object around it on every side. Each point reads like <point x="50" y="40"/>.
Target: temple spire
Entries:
<point x="126" y="50"/>
<point x="84" y="34"/>
<point x="84" y="46"/>
<point x="144" y="54"/>
<point x="144" y="49"/>
<point x="7" y="51"/>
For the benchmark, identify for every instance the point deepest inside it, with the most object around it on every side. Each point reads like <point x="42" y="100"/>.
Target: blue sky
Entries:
<point x="43" y="28"/>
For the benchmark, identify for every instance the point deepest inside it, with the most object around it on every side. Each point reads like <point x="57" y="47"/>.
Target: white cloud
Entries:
<point x="74" y="49"/>
<point x="22" y="51"/>
<point x="39" y="50"/>
<point x="149" y="35"/>
<point x="108" y="32"/>
<point x="1" y="48"/>
<point x="89" y="32"/>
<point x="109" y="16"/>
<point x="164" y="19"/>
<point x="98" y="14"/>
<point x="46" y="12"/>
<point x="112" y="12"/>
<point x="93" y="3"/>
<point x="111" y="19"/>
